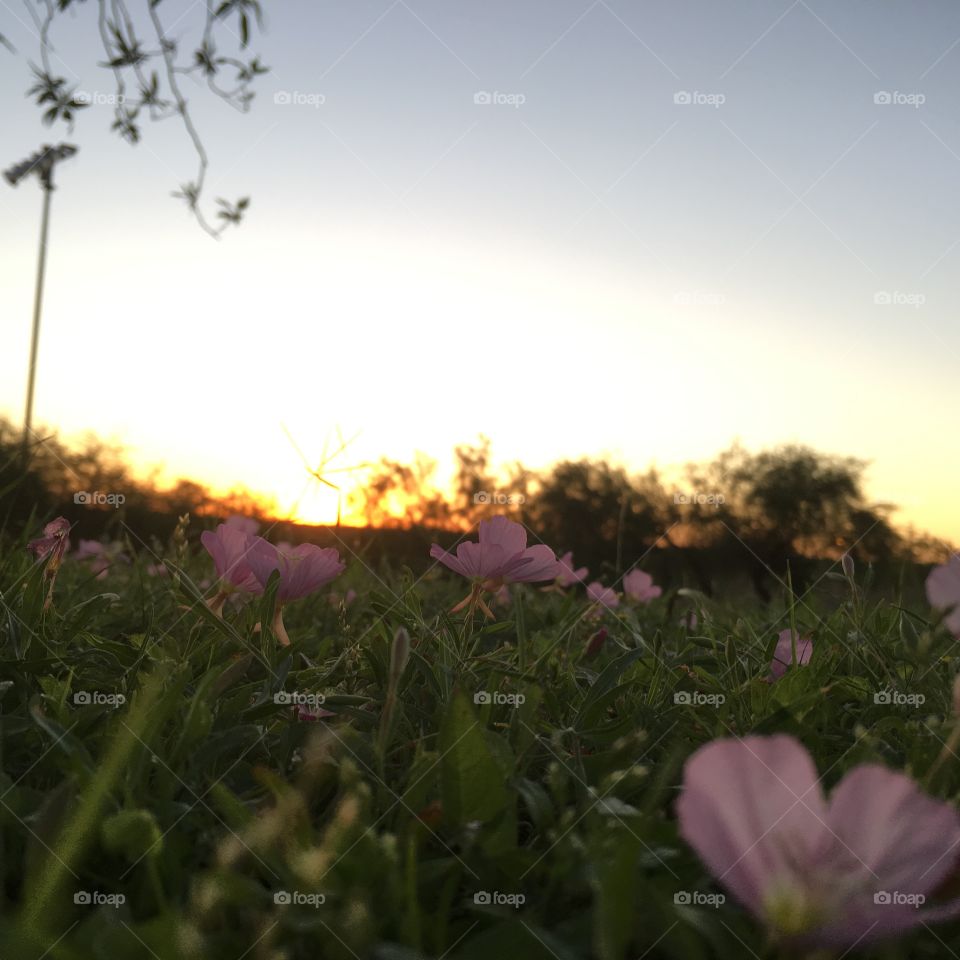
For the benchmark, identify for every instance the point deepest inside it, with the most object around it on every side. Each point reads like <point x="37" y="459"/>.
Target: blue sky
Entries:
<point x="672" y="224"/>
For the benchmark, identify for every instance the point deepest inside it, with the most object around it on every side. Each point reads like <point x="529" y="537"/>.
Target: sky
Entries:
<point x="624" y="229"/>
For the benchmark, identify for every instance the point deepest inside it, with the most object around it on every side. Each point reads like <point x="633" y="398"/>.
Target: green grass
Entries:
<point x="199" y="797"/>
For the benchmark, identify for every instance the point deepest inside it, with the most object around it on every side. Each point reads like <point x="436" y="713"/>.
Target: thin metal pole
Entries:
<point x="37" y="305"/>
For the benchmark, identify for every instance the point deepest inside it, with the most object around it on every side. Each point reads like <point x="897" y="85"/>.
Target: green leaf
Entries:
<point x="614" y="857"/>
<point x="472" y="783"/>
<point x="134" y="834"/>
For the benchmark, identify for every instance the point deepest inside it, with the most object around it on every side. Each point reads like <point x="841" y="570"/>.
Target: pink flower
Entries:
<point x="603" y="596"/>
<point x="100" y="555"/>
<point x="501" y="596"/>
<point x="89" y="548"/>
<point x="303" y="569"/>
<point x="567" y="576"/>
<point x="335" y="598"/>
<point x="783" y="654"/>
<point x="501" y="556"/>
<point x="157" y="570"/>
<point x="311" y="715"/>
<point x="230" y="549"/>
<point x="638" y="585"/>
<point x="246" y="525"/>
<point x="817" y="874"/>
<point x="53" y="544"/>
<point x="943" y="591"/>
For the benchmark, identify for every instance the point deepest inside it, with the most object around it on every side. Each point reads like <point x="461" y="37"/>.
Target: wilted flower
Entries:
<point x="817" y="874"/>
<point x="567" y="576"/>
<point x="603" y="596"/>
<point x="595" y="644"/>
<point x="943" y="591"/>
<point x="230" y="549"/>
<point x="51" y="547"/>
<point x="638" y="585"/>
<point x="783" y="654"/>
<point x="501" y="556"/>
<point x="303" y="570"/>
<point x="53" y="544"/>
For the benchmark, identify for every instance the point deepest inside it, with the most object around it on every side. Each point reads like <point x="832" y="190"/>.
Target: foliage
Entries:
<point x="743" y="518"/>
<point x="147" y="64"/>
<point x="500" y="786"/>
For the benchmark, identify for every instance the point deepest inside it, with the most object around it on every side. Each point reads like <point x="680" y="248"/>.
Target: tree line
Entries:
<point x="747" y="515"/>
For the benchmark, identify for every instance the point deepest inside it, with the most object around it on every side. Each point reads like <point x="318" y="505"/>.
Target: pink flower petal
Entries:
<point x="231" y="549"/>
<point x="943" y="591"/>
<point x="783" y="654"/>
<point x="638" y="585"/>
<point x="822" y="875"/>
<point x="303" y="569"/>
<point x="753" y="810"/>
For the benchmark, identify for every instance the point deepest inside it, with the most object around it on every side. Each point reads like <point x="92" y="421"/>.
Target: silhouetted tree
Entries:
<point x="400" y="495"/>
<point x="739" y="513"/>
<point x="599" y="512"/>
<point x="148" y="67"/>
<point x="785" y="506"/>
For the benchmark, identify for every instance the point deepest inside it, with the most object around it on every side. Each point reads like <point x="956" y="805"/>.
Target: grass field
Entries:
<point x="404" y="782"/>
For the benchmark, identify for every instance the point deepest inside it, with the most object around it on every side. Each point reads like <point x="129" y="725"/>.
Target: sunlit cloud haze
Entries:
<point x="586" y="265"/>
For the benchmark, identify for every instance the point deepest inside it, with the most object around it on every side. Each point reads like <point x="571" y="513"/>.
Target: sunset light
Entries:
<point x="478" y="480"/>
